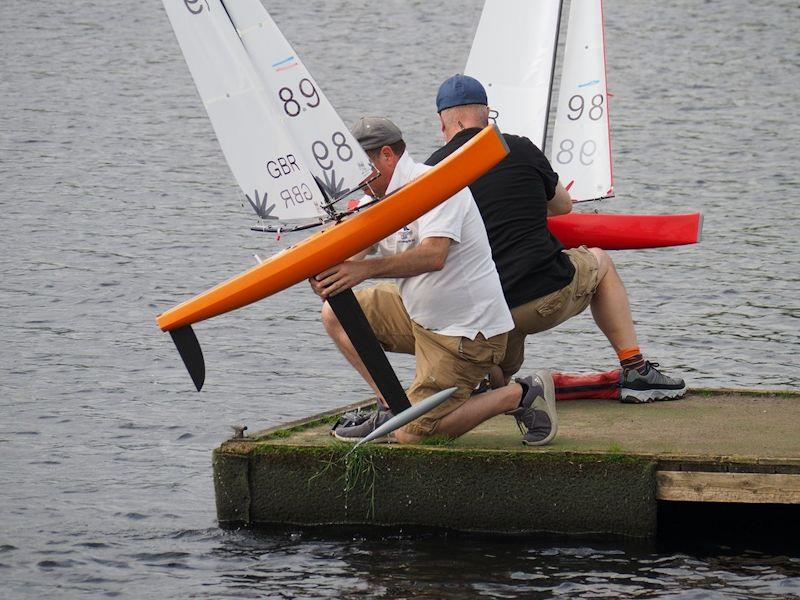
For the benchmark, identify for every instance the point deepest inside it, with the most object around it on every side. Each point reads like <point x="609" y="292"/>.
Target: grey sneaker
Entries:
<point x="636" y="388"/>
<point x="356" y="417"/>
<point x="354" y="433"/>
<point x="536" y="417"/>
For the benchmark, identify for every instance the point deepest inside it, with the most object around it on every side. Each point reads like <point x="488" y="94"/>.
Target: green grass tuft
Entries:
<point x="285" y="433"/>
<point x="358" y="473"/>
<point x="437" y="440"/>
<point x="280" y="433"/>
<point x="359" y="476"/>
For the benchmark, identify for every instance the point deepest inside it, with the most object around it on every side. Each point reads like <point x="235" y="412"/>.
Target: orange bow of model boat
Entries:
<point x="347" y="238"/>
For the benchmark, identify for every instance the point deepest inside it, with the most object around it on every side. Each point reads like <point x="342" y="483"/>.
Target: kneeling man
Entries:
<point x="446" y="308"/>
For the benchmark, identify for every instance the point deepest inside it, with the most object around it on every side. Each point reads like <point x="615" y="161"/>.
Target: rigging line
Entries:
<point x="594" y="199"/>
<point x="288" y="229"/>
<point x="324" y="221"/>
<point x="332" y="215"/>
<point x="371" y="202"/>
<point x="338" y="216"/>
<point x="552" y="76"/>
<point x="343" y="195"/>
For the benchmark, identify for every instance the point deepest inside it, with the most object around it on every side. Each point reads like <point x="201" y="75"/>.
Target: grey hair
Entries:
<point x="472" y="113"/>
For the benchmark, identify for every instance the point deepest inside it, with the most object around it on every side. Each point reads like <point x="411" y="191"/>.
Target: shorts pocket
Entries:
<point x="481" y="351"/>
<point x="476" y="351"/>
<point x="585" y="279"/>
<point x="551" y="303"/>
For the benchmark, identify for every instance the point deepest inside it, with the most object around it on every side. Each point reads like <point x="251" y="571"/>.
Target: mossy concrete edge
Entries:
<point x="232" y="486"/>
<point x="295" y="474"/>
<point x="475" y="491"/>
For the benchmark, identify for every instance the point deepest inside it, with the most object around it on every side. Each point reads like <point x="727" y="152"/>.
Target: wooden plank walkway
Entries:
<point x="750" y="488"/>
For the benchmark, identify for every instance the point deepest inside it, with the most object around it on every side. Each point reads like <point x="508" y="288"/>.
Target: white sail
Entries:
<point x="512" y="56"/>
<point x="581" y="152"/>
<point x="265" y="162"/>
<point x="331" y="153"/>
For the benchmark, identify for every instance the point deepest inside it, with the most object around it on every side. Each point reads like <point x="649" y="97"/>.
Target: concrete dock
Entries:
<point x="605" y="473"/>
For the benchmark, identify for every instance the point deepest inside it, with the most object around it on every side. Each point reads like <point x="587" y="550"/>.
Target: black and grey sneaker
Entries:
<point x="353" y="433"/>
<point x="636" y="388"/>
<point x="356" y="417"/>
<point x="536" y="416"/>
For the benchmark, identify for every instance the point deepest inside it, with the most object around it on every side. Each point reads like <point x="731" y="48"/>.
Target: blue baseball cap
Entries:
<point x="459" y="90"/>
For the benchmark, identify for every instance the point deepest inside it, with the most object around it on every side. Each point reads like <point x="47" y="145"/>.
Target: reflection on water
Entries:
<point x="317" y="564"/>
<point x="116" y="202"/>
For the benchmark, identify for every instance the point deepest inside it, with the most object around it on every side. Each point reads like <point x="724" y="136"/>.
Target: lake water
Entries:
<point x="117" y="203"/>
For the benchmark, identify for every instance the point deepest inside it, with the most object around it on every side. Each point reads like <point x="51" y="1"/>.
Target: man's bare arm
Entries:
<point x="362" y="255"/>
<point x="560" y="203"/>
<point x="430" y="255"/>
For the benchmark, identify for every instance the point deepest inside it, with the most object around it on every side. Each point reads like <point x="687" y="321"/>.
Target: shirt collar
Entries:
<point x="465" y="134"/>
<point x="403" y="172"/>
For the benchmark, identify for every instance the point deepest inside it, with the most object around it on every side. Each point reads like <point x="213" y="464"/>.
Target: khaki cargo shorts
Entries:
<point x="443" y="361"/>
<point x="548" y="311"/>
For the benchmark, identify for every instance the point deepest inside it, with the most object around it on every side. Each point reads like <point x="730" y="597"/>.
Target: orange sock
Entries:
<point x="631" y="358"/>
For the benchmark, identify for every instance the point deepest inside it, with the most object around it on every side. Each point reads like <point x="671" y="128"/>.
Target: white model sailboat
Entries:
<point x="293" y="157"/>
<point x="520" y="89"/>
<point x="514" y="56"/>
<point x="278" y="132"/>
<point x="582" y="133"/>
<point x="329" y="150"/>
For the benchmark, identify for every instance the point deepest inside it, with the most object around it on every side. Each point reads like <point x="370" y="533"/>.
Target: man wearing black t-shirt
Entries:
<point x="543" y="284"/>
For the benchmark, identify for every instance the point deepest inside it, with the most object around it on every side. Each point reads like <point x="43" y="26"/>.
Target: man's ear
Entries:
<point x="441" y="123"/>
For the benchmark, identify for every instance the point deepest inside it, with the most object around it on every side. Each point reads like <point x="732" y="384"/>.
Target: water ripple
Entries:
<point x="117" y="203"/>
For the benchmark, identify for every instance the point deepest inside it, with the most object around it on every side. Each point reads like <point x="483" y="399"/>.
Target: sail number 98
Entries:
<point x="577" y="105"/>
<point x="290" y="105"/>
<point x="343" y="150"/>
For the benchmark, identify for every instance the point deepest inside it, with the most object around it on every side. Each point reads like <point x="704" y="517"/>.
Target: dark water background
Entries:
<point x="116" y="203"/>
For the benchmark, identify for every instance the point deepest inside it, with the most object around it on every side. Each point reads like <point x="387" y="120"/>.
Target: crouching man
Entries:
<point x="446" y="308"/>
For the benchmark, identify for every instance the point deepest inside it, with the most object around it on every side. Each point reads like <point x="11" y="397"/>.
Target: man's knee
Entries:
<point x="604" y="262"/>
<point x="329" y="319"/>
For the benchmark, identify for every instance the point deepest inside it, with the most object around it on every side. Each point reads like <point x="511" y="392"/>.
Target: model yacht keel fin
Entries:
<point x="189" y="349"/>
<point x="355" y="323"/>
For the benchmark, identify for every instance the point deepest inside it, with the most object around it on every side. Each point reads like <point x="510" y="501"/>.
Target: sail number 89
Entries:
<point x="195" y="7"/>
<point x="577" y="105"/>
<point x="290" y="105"/>
<point x="566" y="152"/>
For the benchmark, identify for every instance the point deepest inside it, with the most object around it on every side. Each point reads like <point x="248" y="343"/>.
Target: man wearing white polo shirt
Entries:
<point x="447" y="308"/>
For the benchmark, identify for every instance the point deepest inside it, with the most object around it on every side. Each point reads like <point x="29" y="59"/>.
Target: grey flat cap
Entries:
<point x="375" y="132"/>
